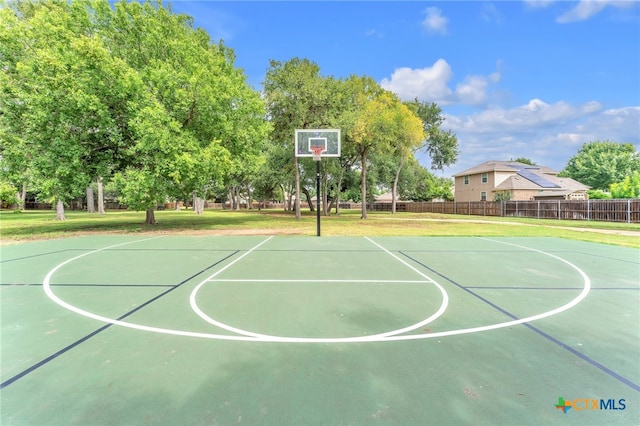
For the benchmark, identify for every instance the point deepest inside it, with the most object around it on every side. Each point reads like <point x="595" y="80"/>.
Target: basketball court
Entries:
<point x="277" y="330"/>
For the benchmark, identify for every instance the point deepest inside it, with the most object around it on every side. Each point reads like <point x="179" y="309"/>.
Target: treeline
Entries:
<point x="133" y="97"/>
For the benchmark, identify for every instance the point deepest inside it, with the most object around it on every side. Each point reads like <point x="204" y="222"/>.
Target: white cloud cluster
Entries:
<point x="432" y="83"/>
<point x="549" y="134"/>
<point x="422" y="83"/>
<point x="584" y="10"/>
<point x="435" y="22"/>
<point x="529" y="118"/>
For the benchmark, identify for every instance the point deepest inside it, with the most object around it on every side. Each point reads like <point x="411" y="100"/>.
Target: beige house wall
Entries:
<point x="473" y="190"/>
<point x="523" y="194"/>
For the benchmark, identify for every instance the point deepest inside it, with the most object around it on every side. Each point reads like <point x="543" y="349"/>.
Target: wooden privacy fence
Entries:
<point x="597" y="210"/>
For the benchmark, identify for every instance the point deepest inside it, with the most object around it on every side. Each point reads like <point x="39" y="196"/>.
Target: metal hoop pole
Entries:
<point x="318" y="197"/>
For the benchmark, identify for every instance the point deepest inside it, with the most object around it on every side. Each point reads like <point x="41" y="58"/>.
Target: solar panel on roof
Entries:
<point x="537" y="179"/>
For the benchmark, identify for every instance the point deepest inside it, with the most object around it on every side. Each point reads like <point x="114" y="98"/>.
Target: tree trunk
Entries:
<point x="336" y="200"/>
<point x="285" y="198"/>
<point x="60" y="211"/>
<point x="100" y="196"/>
<point x="236" y="194"/>
<point x="198" y="205"/>
<point x="363" y="184"/>
<point x="177" y="205"/>
<point x="394" y="188"/>
<point x="305" y="191"/>
<point x="91" y="208"/>
<point x="297" y="200"/>
<point x="325" y="194"/>
<point x="151" y="217"/>
<point x="23" y="197"/>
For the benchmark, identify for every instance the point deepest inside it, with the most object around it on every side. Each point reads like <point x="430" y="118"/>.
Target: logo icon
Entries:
<point x="563" y="405"/>
<point x="590" y="404"/>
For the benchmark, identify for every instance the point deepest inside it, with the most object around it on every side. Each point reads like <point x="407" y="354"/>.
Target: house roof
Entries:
<point x="503" y="166"/>
<point x="386" y="197"/>
<point x="559" y="183"/>
<point x="525" y="176"/>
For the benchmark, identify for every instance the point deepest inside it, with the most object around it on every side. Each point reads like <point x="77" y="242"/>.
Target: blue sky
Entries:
<point x="533" y="79"/>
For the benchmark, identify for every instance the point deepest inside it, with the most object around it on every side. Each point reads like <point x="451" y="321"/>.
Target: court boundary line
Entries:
<point x="562" y="308"/>
<point x="316" y="281"/>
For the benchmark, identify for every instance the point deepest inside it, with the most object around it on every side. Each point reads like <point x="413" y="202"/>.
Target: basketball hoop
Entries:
<point x="317" y="152"/>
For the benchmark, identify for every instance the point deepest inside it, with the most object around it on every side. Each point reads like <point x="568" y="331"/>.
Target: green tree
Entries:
<point x="599" y="164"/>
<point x="628" y="188"/>
<point x="298" y="97"/>
<point x="91" y="90"/>
<point x="206" y="100"/>
<point x="598" y="194"/>
<point x="406" y="136"/>
<point x="417" y="183"/>
<point x="441" y="145"/>
<point x="374" y="126"/>
<point x="58" y="94"/>
<point x="525" y="160"/>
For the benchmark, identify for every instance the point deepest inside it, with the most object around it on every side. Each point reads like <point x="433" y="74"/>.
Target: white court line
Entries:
<point x="224" y="280"/>
<point x="571" y="304"/>
<point x="272" y="338"/>
<point x="365" y="339"/>
<point x="201" y="314"/>
<point x="46" y="284"/>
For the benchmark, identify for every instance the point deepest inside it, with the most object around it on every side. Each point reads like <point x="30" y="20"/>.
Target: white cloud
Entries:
<point x="584" y="10"/>
<point x="432" y="84"/>
<point x="422" y="83"/>
<point x="528" y="118"/>
<point x="549" y="134"/>
<point x="435" y="22"/>
<point x="473" y="91"/>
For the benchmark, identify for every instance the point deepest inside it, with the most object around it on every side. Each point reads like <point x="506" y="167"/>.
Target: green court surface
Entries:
<point x="221" y="330"/>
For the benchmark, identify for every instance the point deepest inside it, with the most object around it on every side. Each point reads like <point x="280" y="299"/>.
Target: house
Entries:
<point x="510" y="180"/>
<point x="386" y="198"/>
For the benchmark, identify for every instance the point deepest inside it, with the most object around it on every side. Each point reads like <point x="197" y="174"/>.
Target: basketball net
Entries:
<point x="317" y="152"/>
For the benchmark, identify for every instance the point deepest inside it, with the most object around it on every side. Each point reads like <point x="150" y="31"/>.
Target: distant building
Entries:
<point x="386" y="198"/>
<point x="515" y="181"/>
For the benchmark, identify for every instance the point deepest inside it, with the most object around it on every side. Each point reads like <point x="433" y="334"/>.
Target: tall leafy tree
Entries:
<point x="58" y="96"/>
<point x="382" y="125"/>
<point x="219" y="119"/>
<point x="441" y="145"/>
<point x="297" y="98"/>
<point x="91" y="90"/>
<point x="599" y="164"/>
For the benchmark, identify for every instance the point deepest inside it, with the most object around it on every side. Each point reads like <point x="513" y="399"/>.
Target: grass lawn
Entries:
<point x="33" y="225"/>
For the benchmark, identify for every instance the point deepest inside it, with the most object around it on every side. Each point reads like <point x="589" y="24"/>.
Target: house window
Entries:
<point x="485" y="178"/>
<point x="483" y="196"/>
<point x="466" y="180"/>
